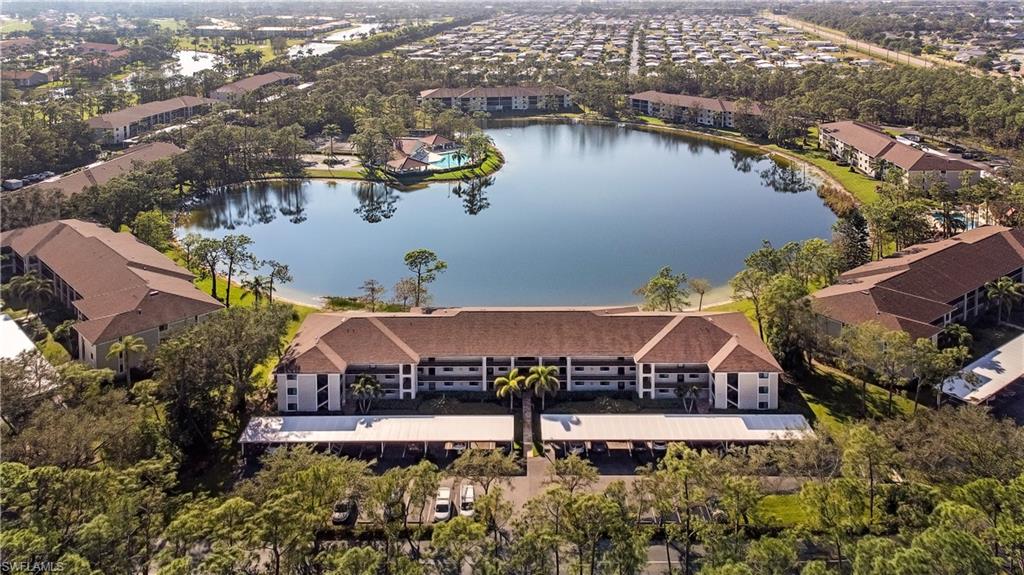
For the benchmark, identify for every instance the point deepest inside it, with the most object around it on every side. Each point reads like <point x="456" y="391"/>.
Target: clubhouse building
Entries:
<point x="502" y="99"/>
<point x="714" y="112"/>
<point x="926" y="286"/>
<point x="113" y="284"/>
<point x="715" y="358"/>
<point x="872" y="152"/>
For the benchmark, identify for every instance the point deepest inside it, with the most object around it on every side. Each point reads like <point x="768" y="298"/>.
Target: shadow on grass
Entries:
<point x="827" y="396"/>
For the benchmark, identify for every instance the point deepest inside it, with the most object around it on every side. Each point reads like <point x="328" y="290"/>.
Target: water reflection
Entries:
<point x="785" y="179"/>
<point x="377" y="201"/>
<point x="473" y="194"/>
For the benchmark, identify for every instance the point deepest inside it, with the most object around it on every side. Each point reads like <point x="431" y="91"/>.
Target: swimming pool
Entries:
<point x="447" y="160"/>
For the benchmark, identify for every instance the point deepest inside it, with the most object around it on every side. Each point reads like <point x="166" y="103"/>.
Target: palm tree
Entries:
<point x="258" y="286"/>
<point x="32" y="289"/>
<point x="958" y="335"/>
<point x="460" y="155"/>
<point x="331" y="130"/>
<point x="1004" y="292"/>
<point x="509" y="385"/>
<point x="543" y="380"/>
<point x="64" y="332"/>
<point x="366" y="389"/>
<point x="125" y="347"/>
<point x="700" y="286"/>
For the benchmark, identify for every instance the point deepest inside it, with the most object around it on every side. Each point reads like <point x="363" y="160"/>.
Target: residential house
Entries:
<point x="100" y="173"/>
<point x="717" y="359"/>
<point x="253" y="83"/>
<point x="714" y="112"/>
<point x="926" y="286"/>
<point x="116" y="127"/>
<point x="873" y="152"/>
<point x="503" y="99"/>
<point x="114" y="285"/>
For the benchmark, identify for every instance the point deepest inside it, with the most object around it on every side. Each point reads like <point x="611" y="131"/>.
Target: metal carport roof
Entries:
<point x="672" y="427"/>
<point x="379" y="429"/>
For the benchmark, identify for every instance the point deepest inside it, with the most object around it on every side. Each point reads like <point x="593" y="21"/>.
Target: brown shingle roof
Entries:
<point x="125" y="285"/>
<point x="877" y="144"/>
<point x="913" y="288"/>
<point x="693" y="102"/>
<point x="496" y="92"/>
<point x="255" y="82"/>
<point x="134" y="114"/>
<point x="332" y="341"/>
<point x="103" y="172"/>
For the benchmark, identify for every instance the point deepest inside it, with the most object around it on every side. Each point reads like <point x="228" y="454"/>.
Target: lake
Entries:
<point x="579" y="214"/>
<point x="190" y="62"/>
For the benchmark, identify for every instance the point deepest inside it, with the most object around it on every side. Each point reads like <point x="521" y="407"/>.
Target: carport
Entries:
<point x="992" y="373"/>
<point x="334" y="431"/>
<point x="715" y="429"/>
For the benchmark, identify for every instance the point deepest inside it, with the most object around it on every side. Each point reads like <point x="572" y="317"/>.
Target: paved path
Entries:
<point x="634" y="55"/>
<point x="868" y="48"/>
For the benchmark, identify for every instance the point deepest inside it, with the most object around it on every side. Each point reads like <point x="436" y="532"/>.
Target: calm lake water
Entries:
<point x="190" y="62"/>
<point x="578" y="215"/>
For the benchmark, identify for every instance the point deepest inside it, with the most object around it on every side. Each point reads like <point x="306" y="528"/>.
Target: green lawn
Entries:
<point x="835" y="399"/>
<point x="861" y="186"/>
<point x="170" y="24"/>
<point x="782" y="510"/>
<point x="9" y="26"/>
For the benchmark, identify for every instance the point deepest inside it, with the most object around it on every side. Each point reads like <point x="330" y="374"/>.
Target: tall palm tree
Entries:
<point x="543" y="380"/>
<point x="958" y="335"/>
<point x="509" y="385"/>
<point x="128" y="346"/>
<point x="1004" y="292"/>
<point x="366" y="389"/>
<point x="258" y="286"/>
<point x="32" y="289"/>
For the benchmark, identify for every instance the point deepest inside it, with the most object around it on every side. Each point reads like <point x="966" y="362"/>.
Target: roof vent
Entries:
<point x="153" y="292"/>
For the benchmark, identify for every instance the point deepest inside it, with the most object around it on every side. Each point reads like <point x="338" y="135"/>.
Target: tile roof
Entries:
<point x="125" y="285"/>
<point x="138" y="113"/>
<point x="102" y="172"/>
<point x="912" y="289"/>
<point x="329" y="342"/>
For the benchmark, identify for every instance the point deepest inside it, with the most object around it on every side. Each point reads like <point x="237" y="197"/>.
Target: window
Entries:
<point x="577" y="368"/>
<point x="292" y="391"/>
<point x="605" y="368"/>
<point x="762" y="405"/>
<point x="447" y="369"/>
<point x="163" y="327"/>
<point x="290" y="377"/>
<point x="762" y="389"/>
<point x="292" y="407"/>
<point x="763" y="375"/>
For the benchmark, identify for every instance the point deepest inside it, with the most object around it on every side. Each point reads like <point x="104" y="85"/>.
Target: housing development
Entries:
<point x="513" y="288"/>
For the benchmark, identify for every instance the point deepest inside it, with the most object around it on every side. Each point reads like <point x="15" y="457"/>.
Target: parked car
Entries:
<point x="13" y="184"/>
<point x="954" y="149"/>
<point x="414" y="450"/>
<point x="467" y="501"/>
<point x="443" y="504"/>
<point x="344" y="510"/>
<point x="659" y="446"/>
<point x="599" y="448"/>
<point x="459" y="447"/>
<point x="576" y="448"/>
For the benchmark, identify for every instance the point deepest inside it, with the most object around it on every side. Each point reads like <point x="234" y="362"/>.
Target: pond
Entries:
<point x="351" y="33"/>
<point x="190" y="62"/>
<point x="579" y="215"/>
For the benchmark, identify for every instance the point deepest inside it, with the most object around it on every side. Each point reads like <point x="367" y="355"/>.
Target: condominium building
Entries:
<point x="113" y="284"/>
<point x="681" y="108"/>
<point x="116" y="127"/>
<point x="926" y="286"/>
<point x="717" y="359"/>
<point x="871" y="151"/>
<point x="504" y="99"/>
<point x="244" y="86"/>
<point x="99" y="173"/>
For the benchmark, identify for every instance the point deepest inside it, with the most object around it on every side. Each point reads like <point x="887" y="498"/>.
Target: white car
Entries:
<point x="467" y="501"/>
<point x="443" y="504"/>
